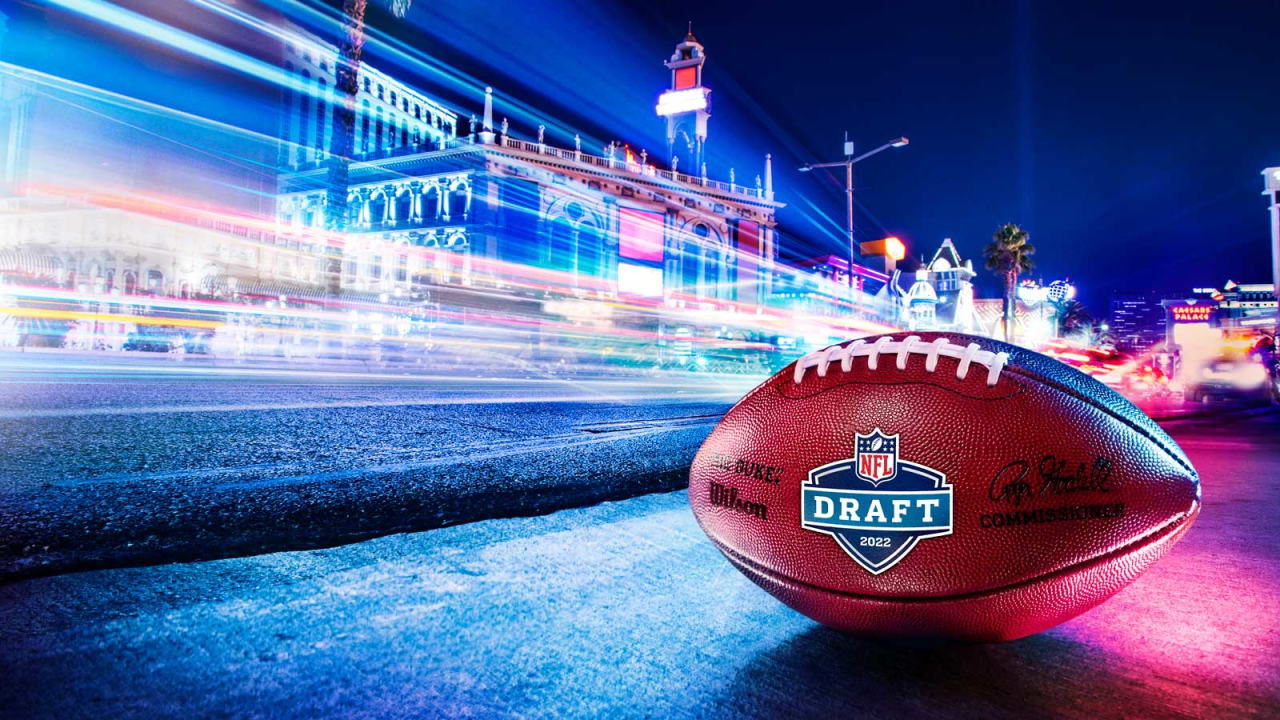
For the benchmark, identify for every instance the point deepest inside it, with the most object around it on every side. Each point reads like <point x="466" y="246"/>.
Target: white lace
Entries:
<point x="966" y="354"/>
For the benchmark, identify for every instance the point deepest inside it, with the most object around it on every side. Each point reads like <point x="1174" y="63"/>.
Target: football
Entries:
<point x="940" y="485"/>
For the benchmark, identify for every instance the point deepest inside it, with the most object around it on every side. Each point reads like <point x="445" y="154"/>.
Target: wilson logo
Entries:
<point x="727" y="497"/>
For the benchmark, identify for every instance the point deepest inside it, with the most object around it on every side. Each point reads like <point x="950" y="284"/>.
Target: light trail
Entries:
<point x="726" y="397"/>
<point x="152" y="30"/>
<point x="450" y="309"/>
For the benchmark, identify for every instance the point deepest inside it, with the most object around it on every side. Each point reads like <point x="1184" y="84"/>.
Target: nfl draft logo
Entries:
<point x="877" y="457"/>
<point x="875" y="505"/>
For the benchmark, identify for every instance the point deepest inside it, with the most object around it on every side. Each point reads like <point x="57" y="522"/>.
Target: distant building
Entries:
<point x="446" y="218"/>
<point x="686" y="105"/>
<point x="391" y="118"/>
<point x="1237" y="310"/>
<point x="610" y="222"/>
<point x="613" y="222"/>
<point x="835" y="269"/>
<point x="1137" y="320"/>
<point x="1247" y="306"/>
<point x="820" y="287"/>
<point x="940" y="295"/>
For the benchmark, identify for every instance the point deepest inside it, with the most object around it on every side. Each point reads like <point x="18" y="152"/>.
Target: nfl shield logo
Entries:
<point x="877" y="457"/>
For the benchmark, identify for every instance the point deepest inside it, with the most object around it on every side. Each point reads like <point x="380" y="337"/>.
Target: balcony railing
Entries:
<point x="614" y="163"/>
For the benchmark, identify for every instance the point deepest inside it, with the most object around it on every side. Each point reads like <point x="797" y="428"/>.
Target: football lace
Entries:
<point x="966" y="354"/>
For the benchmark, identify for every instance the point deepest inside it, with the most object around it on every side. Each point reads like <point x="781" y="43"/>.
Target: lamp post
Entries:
<point x="848" y="162"/>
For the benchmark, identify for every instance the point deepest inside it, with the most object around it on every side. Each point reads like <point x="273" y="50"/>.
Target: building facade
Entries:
<point x="390" y="116"/>
<point x="686" y="105"/>
<point x="940" y="293"/>
<point x="1249" y="306"/>
<point x="489" y="204"/>
<point x="441" y="212"/>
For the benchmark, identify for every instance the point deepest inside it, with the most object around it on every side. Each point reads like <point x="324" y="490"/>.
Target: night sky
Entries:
<point x="1128" y="138"/>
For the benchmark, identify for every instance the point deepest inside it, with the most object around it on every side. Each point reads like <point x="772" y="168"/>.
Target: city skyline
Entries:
<point x="943" y="185"/>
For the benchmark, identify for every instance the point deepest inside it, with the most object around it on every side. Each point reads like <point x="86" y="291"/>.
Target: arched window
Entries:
<point x="711" y="271"/>
<point x="458" y="203"/>
<point x="130" y="283"/>
<point x="377" y="133"/>
<point x="377" y="210"/>
<point x="404" y="207"/>
<point x="693" y="256"/>
<point x="431" y="204"/>
<point x="560" y="247"/>
<point x="590" y="252"/>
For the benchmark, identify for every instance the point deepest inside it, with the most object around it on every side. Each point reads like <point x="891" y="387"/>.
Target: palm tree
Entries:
<point x="1009" y="254"/>
<point x="347" y="85"/>
<point x="1072" y="315"/>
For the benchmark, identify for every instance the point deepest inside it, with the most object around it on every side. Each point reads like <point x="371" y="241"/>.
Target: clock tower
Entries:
<point x="687" y="105"/>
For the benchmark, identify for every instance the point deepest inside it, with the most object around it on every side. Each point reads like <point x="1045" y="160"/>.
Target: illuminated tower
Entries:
<point x="687" y="105"/>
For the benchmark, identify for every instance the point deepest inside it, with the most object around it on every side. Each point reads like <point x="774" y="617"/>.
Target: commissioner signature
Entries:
<point x="1055" y="477"/>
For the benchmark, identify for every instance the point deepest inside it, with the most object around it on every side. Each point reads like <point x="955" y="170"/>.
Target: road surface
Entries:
<point x="127" y="465"/>
<point x="624" y="609"/>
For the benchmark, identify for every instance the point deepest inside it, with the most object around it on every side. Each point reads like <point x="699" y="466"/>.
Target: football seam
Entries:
<point x="1169" y="528"/>
<point x="1093" y="403"/>
<point x="1021" y="389"/>
<point x="1022" y="373"/>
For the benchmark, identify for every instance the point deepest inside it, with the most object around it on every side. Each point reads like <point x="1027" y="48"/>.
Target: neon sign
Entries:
<point x="674" y="102"/>
<point x="1191" y="313"/>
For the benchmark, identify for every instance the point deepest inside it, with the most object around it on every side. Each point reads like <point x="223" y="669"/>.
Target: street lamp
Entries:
<point x="848" y="162"/>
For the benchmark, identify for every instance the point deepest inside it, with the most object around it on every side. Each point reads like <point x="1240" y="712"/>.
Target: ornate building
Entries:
<point x="391" y="117"/>
<point x="686" y="105"/>
<point x="610" y="222"/>
<point x="606" y="223"/>
<point x="436" y="218"/>
<point x="940" y="296"/>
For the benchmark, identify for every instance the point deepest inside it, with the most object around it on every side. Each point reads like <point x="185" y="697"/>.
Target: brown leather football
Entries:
<point x="940" y="485"/>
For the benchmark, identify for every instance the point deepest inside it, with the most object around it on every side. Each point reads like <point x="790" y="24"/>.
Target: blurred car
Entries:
<point x="141" y="342"/>
<point x="197" y="344"/>
<point x="1228" y="377"/>
<point x="1107" y="364"/>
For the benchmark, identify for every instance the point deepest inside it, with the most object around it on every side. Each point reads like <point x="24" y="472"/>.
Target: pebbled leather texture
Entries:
<point x="1030" y="444"/>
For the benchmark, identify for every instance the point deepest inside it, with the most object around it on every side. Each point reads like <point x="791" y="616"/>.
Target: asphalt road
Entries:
<point x="128" y="464"/>
<point x="624" y="609"/>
